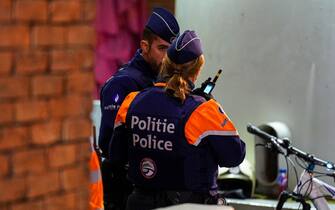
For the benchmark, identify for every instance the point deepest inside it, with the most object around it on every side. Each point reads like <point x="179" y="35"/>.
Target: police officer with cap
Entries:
<point x="140" y="72"/>
<point x="173" y="140"/>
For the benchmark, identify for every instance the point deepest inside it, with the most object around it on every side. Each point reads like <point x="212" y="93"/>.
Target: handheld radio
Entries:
<point x="209" y="85"/>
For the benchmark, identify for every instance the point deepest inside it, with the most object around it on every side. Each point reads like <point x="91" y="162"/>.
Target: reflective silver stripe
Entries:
<point x="165" y="23"/>
<point x="95" y="176"/>
<point x="216" y="133"/>
<point x="182" y="47"/>
<point x="91" y="144"/>
<point x="117" y="124"/>
<point x="99" y="209"/>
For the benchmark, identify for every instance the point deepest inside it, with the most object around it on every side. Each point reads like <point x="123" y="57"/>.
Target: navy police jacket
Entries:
<point x="134" y="76"/>
<point x="172" y="145"/>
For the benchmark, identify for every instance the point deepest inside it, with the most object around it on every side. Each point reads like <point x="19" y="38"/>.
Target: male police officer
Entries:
<point x="139" y="73"/>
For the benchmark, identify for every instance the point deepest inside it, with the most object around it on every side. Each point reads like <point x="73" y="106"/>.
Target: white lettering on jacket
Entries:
<point x="152" y="124"/>
<point x="150" y="142"/>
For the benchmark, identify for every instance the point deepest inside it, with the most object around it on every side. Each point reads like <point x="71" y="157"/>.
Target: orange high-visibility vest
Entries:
<point x="96" y="191"/>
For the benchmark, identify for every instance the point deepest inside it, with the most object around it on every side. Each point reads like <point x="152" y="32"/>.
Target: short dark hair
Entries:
<point x="148" y="35"/>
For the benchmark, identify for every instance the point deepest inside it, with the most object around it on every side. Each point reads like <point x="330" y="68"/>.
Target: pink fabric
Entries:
<point x="118" y="24"/>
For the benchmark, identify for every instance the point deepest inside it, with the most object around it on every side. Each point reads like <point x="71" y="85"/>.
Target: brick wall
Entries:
<point x="46" y="83"/>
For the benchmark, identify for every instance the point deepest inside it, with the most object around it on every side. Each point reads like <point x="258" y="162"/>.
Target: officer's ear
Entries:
<point x="144" y="44"/>
<point x="195" y="76"/>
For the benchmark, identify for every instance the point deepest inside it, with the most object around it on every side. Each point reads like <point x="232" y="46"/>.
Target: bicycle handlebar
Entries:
<point x="258" y="132"/>
<point x="282" y="143"/>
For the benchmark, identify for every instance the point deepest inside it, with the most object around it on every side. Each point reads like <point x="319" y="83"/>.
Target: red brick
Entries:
<point x="81" y="35"/>
<point x="83" y="151"/>
<point x="6" y="113"/>
<point x="81" y="82"/>
<point x="50" y="85"/>
<point x="31" y="10"/>
<point x="29" y="161"/>
<point x="72" y="105"/>
<point x="13" y="137"/>
<point x="89" y="10"/>
<point x="72" y="60"/>
<point x="43" y="184"/>
<point x="31" y="110"/>
<point x="85" y="58"/>
<point x="82" y="198"/>
<point x="29" y="62"/>
<point x="76" y="129"/>
<point x="63" y="60"/>
<point x="46" y="133"/>
<point x="49" y="35"/>
<point x="87" y="104"/>
<point x="14" y="87"/>
<point x="12" y="189"/>
<point x="65" y="11"/>
<point x="75" y="178"/>
<point x="62" y="155"/>
<point x="56" y="106"/>
<point x="34" y="205"/>
<point x="14" y="36"/>
<point x="6" y="63"/>
<point x="4" y="207"/>
<point x="4" y="166"/>
<point x="62" y="201"/>
<point x="5" y="9"/>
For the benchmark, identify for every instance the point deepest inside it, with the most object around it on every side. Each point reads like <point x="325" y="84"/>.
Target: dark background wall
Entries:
<point x="170" y="5"/>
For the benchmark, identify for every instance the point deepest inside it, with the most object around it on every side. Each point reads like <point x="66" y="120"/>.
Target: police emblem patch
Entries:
<point x="148" y="168"/>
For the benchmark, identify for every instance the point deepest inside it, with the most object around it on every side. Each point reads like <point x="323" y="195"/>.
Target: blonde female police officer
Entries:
<point x="173" y="140"/>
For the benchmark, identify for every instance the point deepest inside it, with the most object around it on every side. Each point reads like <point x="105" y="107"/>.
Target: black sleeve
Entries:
<point x="228" y="150"/>
<point x="118" y="147"/>
<point x="111" y="97"/>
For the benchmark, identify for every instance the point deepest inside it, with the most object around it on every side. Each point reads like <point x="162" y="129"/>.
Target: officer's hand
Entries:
<point x="200" y="92"/>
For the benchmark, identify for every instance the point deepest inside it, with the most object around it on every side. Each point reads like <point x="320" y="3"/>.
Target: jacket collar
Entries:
<point x="139" y="63"/>
<point x="162" y="83"/>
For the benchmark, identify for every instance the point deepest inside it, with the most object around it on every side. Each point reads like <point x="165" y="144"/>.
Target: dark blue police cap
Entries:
<point x="163" y="24"/>
<point x="185" y="48"/>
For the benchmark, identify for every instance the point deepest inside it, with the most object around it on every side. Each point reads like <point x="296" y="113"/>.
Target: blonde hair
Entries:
<point x="176" y="75"/>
